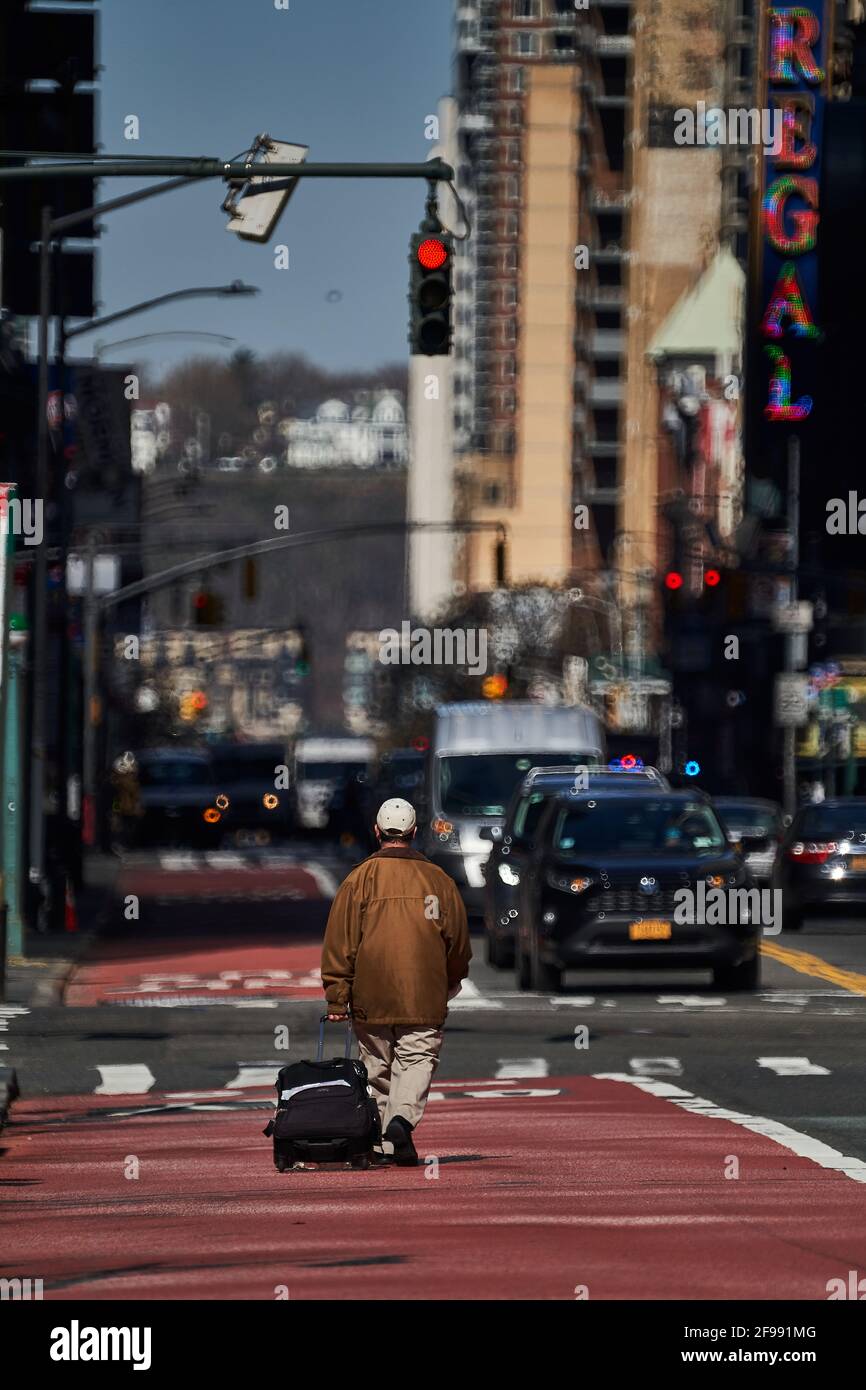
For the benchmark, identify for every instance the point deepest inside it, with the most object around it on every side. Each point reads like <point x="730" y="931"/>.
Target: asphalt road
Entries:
<point x="630" y="1123"/>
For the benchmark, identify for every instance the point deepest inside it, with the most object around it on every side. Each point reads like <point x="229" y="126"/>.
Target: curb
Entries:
<point x="8" y="1092"/>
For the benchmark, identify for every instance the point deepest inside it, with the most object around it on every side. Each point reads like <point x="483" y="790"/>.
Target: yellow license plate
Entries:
<point x="858" y="862"/>
<point x="653" y="929"/>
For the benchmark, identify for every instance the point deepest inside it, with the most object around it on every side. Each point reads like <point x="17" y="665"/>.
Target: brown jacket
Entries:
<point x="396" y="941"/>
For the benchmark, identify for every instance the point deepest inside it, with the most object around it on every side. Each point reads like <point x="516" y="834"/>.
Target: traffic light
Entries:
<point x="431" y="259"/>
<point x="302" y="655"/>
<point x="207" y="608"/>
<point x="46" y="46"/>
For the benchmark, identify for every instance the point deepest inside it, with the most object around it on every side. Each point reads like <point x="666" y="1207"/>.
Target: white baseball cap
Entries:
<point x="396" y="814"/>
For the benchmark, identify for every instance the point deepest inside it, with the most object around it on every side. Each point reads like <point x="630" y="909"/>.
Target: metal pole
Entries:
<point x="791" y="641"/>
<point x="91" y="632"/>
<point x="40" y="578"/>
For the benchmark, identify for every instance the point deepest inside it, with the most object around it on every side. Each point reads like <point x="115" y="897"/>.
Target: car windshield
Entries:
<point x="638" y="827"/>
<point x="327" y="772"/>
<point x="480" y="784"/>
<point x="750" y="820"/>
<point x="527" y="815"/>
<point x="179" y="772"/>
<point x="837" y="822"/>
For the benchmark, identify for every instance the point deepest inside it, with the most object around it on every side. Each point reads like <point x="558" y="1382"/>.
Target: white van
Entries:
<point x="479" y="752"/>
<point x="319" y="767"/>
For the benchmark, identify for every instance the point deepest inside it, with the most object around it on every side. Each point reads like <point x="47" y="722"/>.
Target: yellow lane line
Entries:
<point x="820" y="969"/>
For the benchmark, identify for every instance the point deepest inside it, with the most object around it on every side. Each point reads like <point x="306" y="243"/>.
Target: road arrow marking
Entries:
<point x="792" y="1066"/>
<point x="521" y="1066"/>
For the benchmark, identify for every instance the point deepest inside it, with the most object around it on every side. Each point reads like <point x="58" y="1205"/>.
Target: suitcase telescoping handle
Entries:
<point x="321" y="1048"/>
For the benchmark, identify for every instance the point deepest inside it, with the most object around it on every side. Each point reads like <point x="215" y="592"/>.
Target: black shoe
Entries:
<point x="399" y="1133"/>
<point x="379" y="1160"/>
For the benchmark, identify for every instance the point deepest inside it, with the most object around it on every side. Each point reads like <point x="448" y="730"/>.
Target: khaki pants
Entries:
<point x="400" y="1064"/>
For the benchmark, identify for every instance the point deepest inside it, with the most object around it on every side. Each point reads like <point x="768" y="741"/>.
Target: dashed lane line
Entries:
<point x="124" y="1079"/>
<point x="792" y="1066"/>
<point x="507" y="1067"/>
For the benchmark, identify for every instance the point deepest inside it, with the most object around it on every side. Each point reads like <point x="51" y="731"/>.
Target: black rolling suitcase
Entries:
<point x="324" y="1112"/>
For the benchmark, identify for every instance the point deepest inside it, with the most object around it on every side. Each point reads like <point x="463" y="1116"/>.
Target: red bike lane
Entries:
<point x="564" y="1188"/>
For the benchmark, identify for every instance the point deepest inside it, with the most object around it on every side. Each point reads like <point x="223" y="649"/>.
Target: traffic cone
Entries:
<point x="70" y="915"/>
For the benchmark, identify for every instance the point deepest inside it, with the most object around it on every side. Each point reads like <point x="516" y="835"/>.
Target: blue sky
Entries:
<point x="354" y="80"/>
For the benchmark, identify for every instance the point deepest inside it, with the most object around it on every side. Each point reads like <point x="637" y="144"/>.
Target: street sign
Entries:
<point x="791" y="703"/>
<point x="106" y="574"/>
<point x="255" y="214"/>
<point x="793" y="618"/>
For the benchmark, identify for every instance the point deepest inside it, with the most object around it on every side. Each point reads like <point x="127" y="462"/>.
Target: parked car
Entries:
<point x="512" y="841"/>
<point x="177" y="794"/>
<point x="599" y="888"/>
<point x="257" y="808"/>
<point x="480" y="751"/>
<point x="821" y="863"/>
<point x="759" y="826"/>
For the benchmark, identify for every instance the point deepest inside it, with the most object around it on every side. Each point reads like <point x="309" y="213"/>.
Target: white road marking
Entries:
<point x="174" y="862"/>
<point x="470" y="997"/>
<point x="124" y="1079"/>
<point x="254" y="1074"/>
<point x="521" y="1066"/>
<point x="801" y="1144"/>
<point x="657" y="1066"/>
<point x="690" y="1001"/>
<point x="517" y="1093"/>
<point x="325" y="881"/>
<point x="225" y="859"/>
<point x="792" y="1066"/>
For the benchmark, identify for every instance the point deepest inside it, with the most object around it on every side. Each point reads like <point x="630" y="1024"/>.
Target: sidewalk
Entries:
<point x="37" y="978"/>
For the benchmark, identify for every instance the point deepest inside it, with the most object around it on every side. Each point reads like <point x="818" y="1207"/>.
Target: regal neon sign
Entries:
<point x="795" y="72"/>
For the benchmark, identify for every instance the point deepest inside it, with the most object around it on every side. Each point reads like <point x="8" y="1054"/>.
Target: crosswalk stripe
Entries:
<point x="656" y="1066"/>
<point x="470" y="997"/>
<point x="521" y="1066"/>
<point x="792" y="1066"/>
<point x="174" y="862"/>
<point x="253" y="1074"/>
<point x="124" y="1079"/>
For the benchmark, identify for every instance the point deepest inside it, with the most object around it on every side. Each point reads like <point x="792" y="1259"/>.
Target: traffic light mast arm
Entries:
<point x="186" y="168"/>
<point x="163" y="578"/>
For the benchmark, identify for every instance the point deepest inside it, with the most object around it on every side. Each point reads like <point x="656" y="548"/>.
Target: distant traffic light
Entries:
<point x="302" y="655"/>
<point x="712" y="578"/>
<point x="207" y="608"/>
<point x="673" y="580"/>
<point x="431" y="257"/>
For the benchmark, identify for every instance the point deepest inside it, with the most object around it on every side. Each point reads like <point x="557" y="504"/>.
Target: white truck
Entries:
<point x="479" y="752"/>
<point x="320" y="766"/>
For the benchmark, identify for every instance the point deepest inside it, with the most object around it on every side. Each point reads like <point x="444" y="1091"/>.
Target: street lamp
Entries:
<point x="235" y="288"/>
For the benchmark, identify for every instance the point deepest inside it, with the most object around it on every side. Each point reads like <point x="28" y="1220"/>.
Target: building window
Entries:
<point x="508" y="335"/>
<point x="515" y="116"/>
<point x="527" y="9"/>
<point x="512" y="151"/>
<point x="511" y="189"/>
<point x="563" y="42"/>
<point x="564" y="6"/>
<point x="526" y="45"/>
<point x="491" y="493"/>
<point x="508" y="260"/>
<point x="508" y="368"/>
<point x="508" y="296"/>
<point x="516" y="81"/>
<point x="511" y="225"/>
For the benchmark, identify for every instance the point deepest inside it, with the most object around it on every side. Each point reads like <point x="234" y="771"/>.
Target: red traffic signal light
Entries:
<point x="673" y="580"/>
<point x="712" y="578"/>
<point x="432" y="253"/>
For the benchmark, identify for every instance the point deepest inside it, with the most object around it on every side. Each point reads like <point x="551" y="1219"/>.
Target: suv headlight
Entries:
<point x="566" y="882"/>
<point x="509" y="875"/>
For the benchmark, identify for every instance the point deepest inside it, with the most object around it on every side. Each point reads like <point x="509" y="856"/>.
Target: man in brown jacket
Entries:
<point x="396" y="949"/>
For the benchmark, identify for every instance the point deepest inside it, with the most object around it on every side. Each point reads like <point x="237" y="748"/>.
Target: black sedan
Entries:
<point x="512" y="842"/>
<point x="624" y="880"/>
<point x="821" y="864"/>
